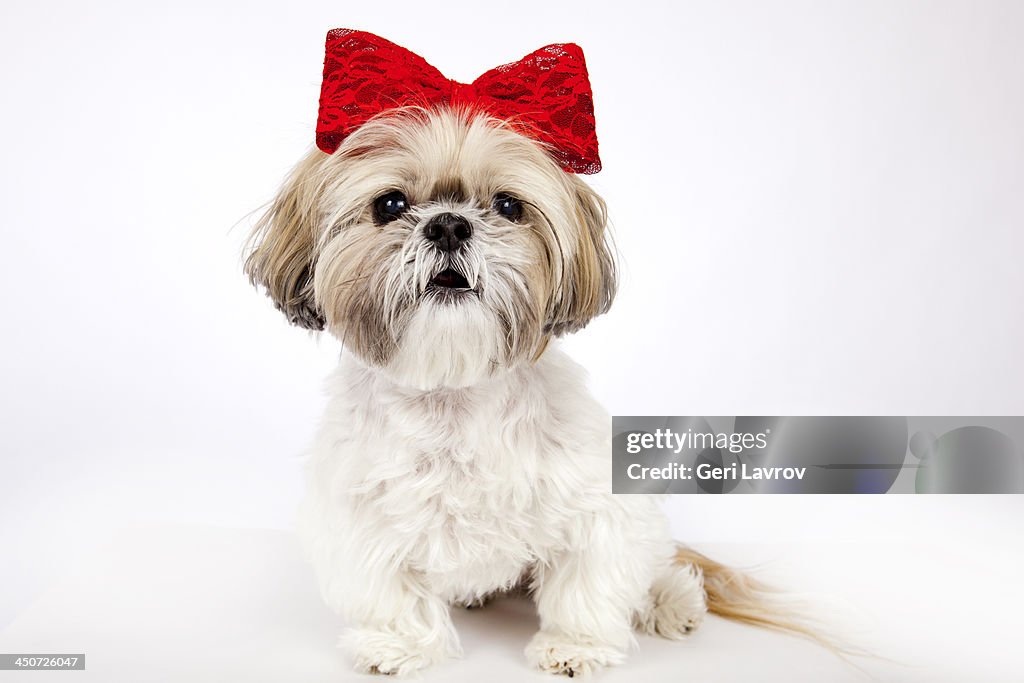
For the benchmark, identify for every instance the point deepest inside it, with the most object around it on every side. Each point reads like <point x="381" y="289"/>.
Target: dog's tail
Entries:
<point x="737" y="596"/>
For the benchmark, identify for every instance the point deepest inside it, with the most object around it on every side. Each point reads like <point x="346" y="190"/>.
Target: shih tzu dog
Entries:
<point x="441" y="233"/>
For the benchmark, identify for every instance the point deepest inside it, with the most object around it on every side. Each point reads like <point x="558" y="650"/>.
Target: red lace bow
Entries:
<point x="546" y="94"/>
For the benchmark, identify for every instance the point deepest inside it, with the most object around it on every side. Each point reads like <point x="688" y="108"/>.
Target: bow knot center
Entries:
<point x="462" y="93"/>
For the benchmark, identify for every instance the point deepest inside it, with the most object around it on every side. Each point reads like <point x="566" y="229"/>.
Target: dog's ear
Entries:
<point x="589" y="277"/>
<point x="281" y="256"/>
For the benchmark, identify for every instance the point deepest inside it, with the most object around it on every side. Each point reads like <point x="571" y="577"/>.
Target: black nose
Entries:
<point x="448" y="230"/>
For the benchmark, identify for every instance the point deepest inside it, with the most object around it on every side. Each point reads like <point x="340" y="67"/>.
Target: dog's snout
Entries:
<point x="448" y="231"/>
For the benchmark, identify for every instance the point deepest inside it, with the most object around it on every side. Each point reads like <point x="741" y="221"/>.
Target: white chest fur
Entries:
<point x="467" y="487"/>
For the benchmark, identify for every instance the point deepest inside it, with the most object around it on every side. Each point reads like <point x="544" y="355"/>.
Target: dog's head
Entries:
<point x="439" y="245"/>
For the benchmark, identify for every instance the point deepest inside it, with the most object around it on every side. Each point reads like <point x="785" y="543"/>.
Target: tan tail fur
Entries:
<point x="737" y="596"/>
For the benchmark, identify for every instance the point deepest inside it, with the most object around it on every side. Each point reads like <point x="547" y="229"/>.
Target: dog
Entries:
<point x="461" y="454"/>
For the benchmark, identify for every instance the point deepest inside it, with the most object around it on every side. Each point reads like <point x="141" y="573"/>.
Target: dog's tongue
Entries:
<point x="450" y="278"/>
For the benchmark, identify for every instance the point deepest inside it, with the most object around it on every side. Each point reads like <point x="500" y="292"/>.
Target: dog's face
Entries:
<point x="439" y="246"/>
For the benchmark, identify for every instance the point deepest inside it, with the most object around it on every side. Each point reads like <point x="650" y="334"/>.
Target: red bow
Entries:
<point x="546" y="94"/>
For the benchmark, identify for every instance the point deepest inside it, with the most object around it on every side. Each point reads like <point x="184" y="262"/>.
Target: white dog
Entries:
<point x="461" y="454"/>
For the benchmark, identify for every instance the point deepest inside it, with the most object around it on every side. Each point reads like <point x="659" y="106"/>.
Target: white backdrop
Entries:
<point x="818" y="207"/>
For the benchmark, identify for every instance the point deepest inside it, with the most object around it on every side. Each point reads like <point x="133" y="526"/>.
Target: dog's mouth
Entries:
<point x="449" y="279"/>
<point x="450" y="286"/>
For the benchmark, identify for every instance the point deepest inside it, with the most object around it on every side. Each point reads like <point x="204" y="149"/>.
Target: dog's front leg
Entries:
<point x="586" y="600"/>
<point x="399" y="627"/>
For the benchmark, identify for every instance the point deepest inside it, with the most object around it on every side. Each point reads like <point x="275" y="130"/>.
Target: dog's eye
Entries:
<point x="389" y="207"/>
<point x="508" y="206"/>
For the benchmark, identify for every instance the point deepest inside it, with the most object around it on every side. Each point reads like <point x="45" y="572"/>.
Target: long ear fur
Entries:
<point x="589" y="281"/>
<point x="281" y="246"/>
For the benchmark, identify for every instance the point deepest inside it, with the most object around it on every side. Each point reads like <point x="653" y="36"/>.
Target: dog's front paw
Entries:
<point x="559" y="654"/>
<point x="384" y="652"/>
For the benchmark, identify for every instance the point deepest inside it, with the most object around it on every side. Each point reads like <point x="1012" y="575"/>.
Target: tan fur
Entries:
<point x="281" y="246"/>
<point x="588" y="286"/>
<point x="737" y="596"/>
